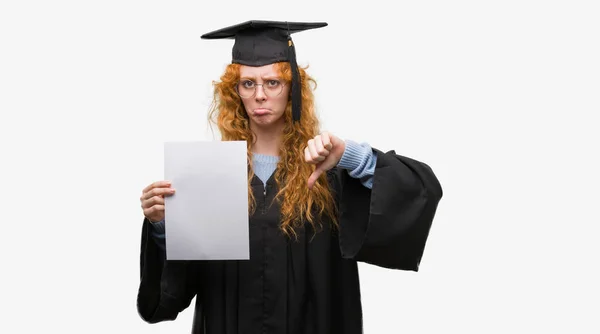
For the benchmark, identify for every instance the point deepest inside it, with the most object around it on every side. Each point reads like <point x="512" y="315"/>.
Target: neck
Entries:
<point x="268" y="139"/>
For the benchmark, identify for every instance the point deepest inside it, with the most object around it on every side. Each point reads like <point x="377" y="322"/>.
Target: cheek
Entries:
<point x="247" y="103"/>
<point x="282" y="103"/>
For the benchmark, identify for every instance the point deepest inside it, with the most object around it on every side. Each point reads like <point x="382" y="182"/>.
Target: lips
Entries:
<point x="261" y="111"/>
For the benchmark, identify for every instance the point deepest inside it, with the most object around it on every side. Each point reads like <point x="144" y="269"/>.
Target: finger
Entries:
<point x="326" y="138"/>
<point x="307" y="156"/>
<point x="152" y="201"/>
<point x="157" y="184"/>
<point x="320" y="148"/>
<point x="157" y="192"/>
<point x="314" y="177"/>
<point x="313" y="151"/>
<point x="154" y="209"/>
<point x="148" y="203"/>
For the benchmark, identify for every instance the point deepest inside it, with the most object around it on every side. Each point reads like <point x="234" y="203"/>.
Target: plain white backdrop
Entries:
<point x="498" y="97"/>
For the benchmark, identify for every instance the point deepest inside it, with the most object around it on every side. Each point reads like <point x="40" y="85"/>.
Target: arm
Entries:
<point x="166" y="287"/>
<point x="387" y="225"/>
<point x="158" y="233"/>
<point x="360" y="161"/>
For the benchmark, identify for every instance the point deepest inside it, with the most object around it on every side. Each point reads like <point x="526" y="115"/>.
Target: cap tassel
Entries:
<point x="296" y="93"/>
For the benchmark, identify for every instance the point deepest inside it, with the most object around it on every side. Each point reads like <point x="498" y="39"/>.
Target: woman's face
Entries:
<point x="264" y="95"/>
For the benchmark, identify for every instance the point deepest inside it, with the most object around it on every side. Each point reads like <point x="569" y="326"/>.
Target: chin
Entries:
<point x="263" y="119"/>
<point x="268" y="120"/>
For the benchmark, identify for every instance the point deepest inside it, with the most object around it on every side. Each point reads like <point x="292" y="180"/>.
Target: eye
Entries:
<point x="273" y="83"/>
<point x="248" y="84"/>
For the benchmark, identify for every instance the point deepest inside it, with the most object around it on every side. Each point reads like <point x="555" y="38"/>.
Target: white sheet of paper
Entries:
<point x="207" y="217"/>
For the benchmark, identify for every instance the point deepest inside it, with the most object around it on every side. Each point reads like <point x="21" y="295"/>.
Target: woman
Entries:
<point x="318" y="205"/>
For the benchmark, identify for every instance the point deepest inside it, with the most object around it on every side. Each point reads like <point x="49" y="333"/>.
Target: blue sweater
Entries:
<point x="358" y="159"/>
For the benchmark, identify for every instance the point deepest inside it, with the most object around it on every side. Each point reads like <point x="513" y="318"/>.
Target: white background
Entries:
<point x="498" y="97"/>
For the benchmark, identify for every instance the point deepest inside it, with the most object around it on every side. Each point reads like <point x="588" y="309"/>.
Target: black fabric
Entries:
<point x="296" y="89"/>
<point x="258" y="25"/>
<point x="305" y="286"/>
<point x="259" y="43"/>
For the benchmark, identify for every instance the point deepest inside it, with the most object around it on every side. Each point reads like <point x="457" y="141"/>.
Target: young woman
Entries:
<point x="318" y="205"/>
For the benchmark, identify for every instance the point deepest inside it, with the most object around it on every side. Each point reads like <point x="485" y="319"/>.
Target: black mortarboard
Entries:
<point x="259" y="43"/>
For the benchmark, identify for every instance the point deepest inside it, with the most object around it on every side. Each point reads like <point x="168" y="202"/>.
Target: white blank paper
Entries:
<point x="207" y="217"/>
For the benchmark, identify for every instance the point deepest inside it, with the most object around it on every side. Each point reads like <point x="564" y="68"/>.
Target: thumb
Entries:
<point x="314" y="177"/>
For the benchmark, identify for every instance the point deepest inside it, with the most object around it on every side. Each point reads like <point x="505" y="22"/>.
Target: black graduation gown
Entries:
<point x="305" y="286"/>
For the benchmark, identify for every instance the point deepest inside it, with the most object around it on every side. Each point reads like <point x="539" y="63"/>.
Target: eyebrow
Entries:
<point x="266" y="77"/>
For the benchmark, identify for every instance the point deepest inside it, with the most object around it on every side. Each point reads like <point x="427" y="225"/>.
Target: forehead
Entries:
<point x="258" y="71"/>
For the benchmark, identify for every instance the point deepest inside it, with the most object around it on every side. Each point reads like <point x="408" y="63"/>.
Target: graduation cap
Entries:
<point x="259" y="43"/>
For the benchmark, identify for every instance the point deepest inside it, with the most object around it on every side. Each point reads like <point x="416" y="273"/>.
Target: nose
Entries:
<point x="260" y="93"/>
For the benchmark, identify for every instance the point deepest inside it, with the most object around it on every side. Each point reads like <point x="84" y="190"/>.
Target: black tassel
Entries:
<point x="296" y="93"/>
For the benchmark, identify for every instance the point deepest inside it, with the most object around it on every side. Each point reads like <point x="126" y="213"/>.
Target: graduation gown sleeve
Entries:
<point x="166" y="287"/>
<point x="387" y="225"/>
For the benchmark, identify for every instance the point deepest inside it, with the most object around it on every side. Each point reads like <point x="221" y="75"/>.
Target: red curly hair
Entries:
<point x="298" y="203"/>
